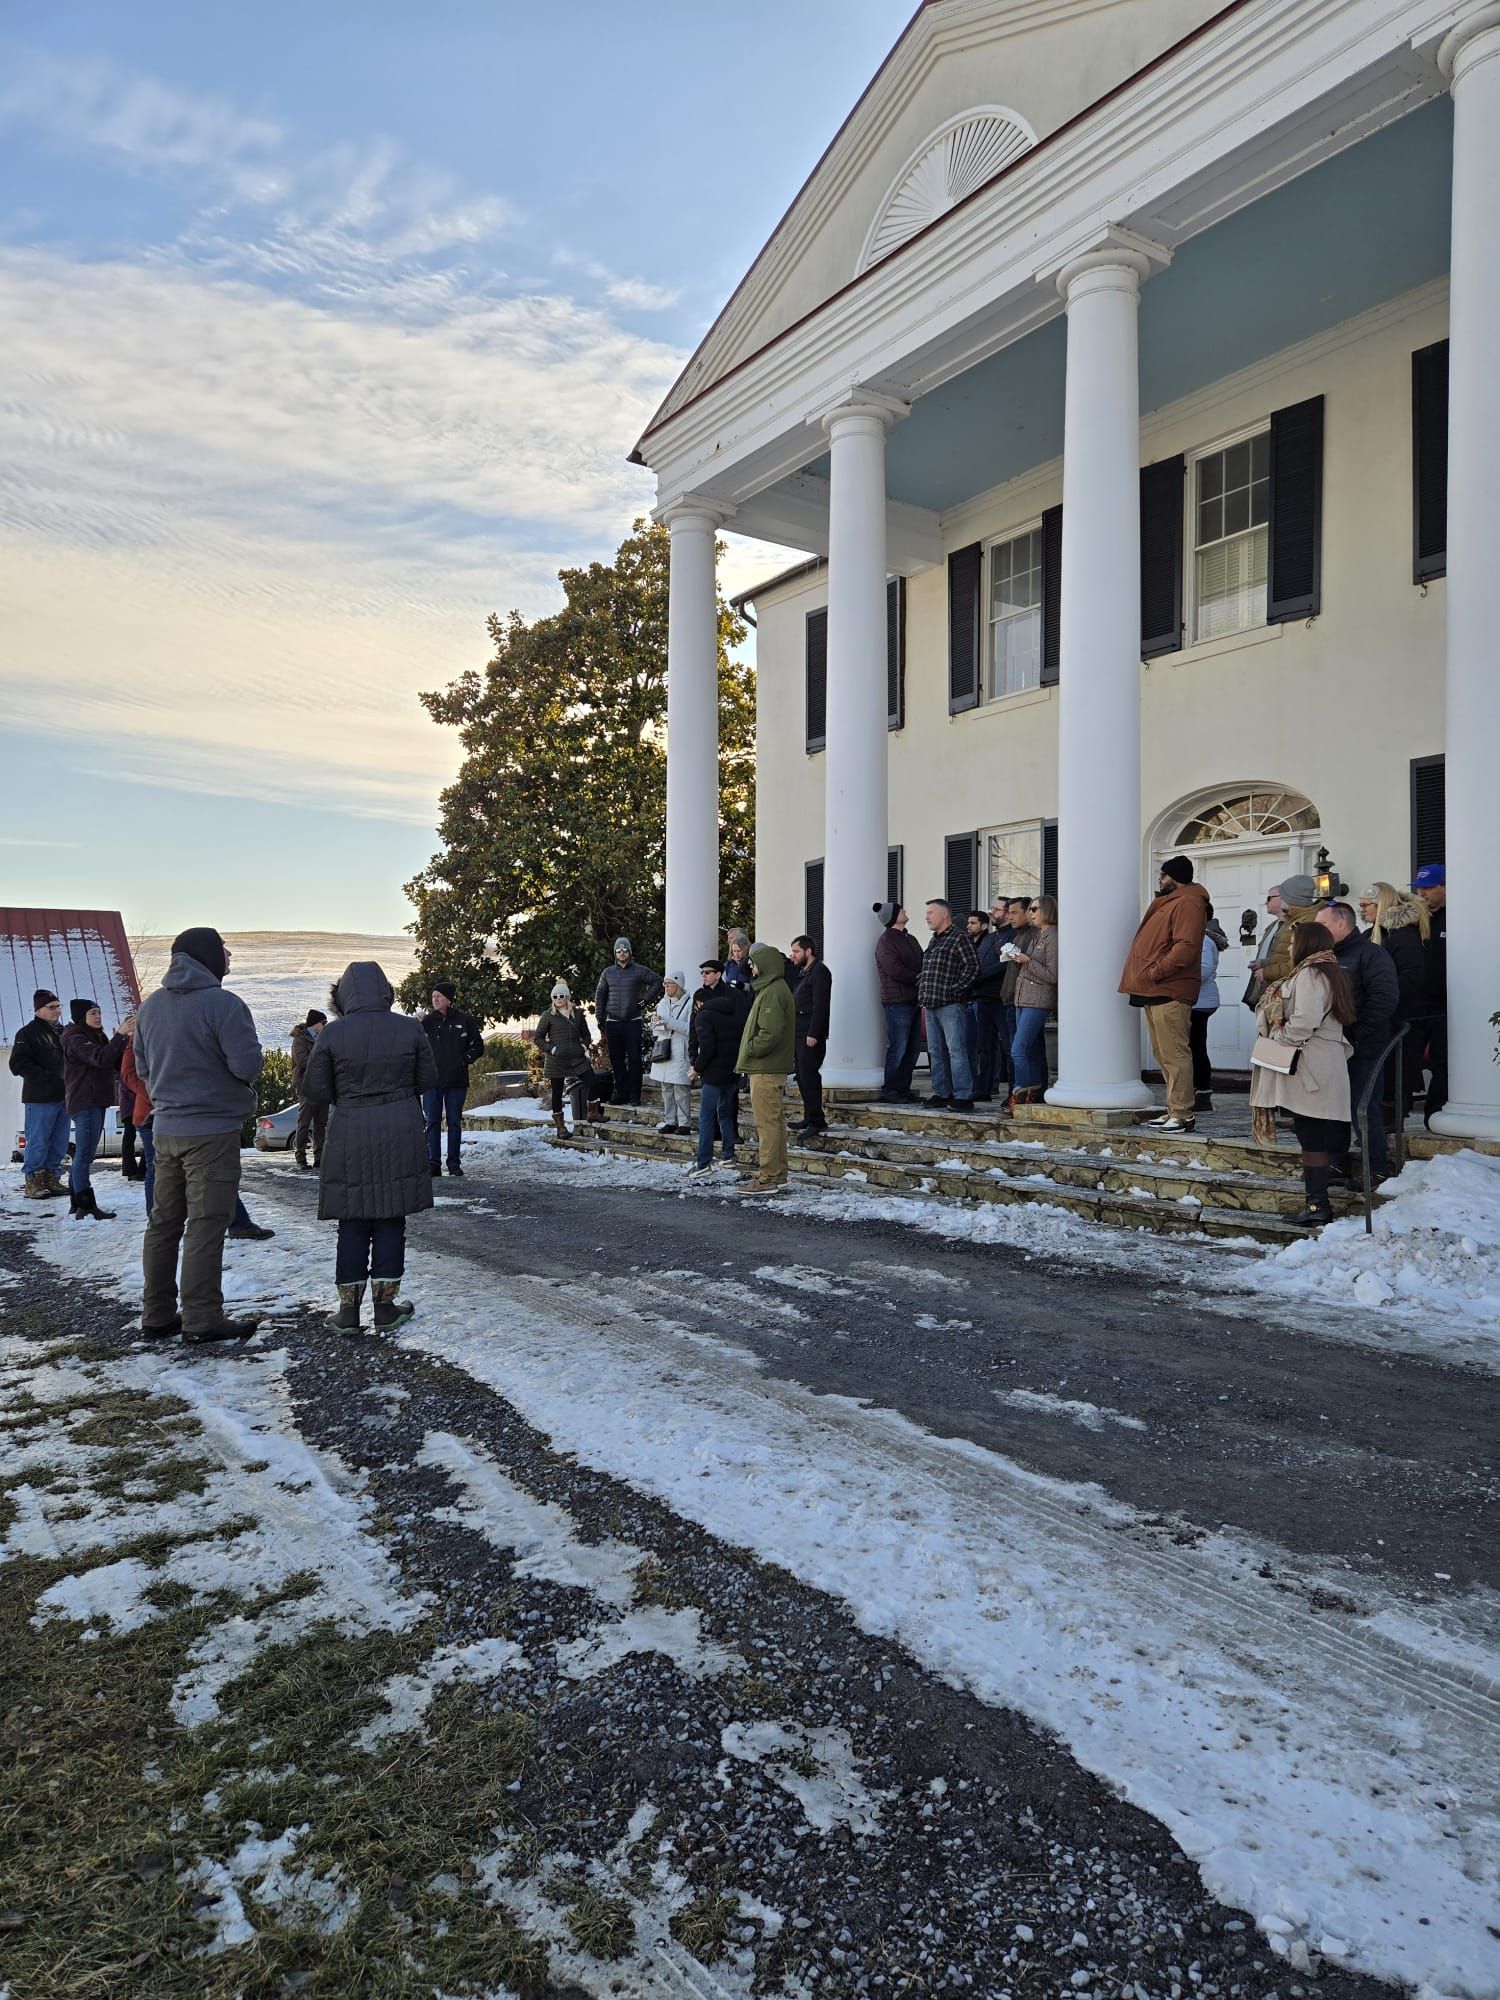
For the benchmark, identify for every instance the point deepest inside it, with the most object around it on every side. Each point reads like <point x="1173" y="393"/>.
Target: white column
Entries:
<point x="1471" y="57"/>
<point x="855" y="837"/>
<point x="1099" y="718"/>
<point x="692" y="741"/>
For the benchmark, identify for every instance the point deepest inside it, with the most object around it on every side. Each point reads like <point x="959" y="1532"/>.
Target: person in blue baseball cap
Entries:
<point x="1431" y="883"/>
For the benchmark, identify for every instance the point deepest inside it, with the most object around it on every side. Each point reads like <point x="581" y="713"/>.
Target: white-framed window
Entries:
<point x="1013" y="656"/>
<point x="1010" y="861"/>
<point x="1230" y="536"/>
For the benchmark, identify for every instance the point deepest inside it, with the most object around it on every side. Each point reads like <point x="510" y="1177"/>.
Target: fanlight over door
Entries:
<point x="1255" y="815"/>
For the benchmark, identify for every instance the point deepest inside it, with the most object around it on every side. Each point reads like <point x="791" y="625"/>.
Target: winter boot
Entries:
<point x="302" y="1161"/>
<point x="594" y="1111"/>
<point x="346" y="1319"/>
<point x="559" y="1125"/>
<point x="389" y="1310"/>
<point x="1319" y="1209"/>
<point x="37" y="1187"/>
<point x="56" y="1184"/>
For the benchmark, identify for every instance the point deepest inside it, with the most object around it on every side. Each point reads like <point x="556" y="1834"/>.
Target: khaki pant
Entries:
<point x="192" y="1204"/>
<point x="1169" y="1024"/>
<point x="768" y="1102"/>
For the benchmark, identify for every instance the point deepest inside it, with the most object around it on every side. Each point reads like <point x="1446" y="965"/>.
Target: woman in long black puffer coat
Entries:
<point x="372" y="1066"/>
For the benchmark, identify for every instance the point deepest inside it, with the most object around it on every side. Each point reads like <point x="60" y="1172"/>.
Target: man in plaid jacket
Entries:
<point x="950" y="965"/>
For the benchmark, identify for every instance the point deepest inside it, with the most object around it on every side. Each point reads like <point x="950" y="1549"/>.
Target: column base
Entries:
<point x="1130" y="1094"/>
<point x="1468" y="1121"/>
<point x="849" y="1079"/>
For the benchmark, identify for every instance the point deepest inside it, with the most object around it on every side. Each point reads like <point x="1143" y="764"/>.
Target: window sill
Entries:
<point x="1023" y="698"/>
<point x="1210" y="649"/>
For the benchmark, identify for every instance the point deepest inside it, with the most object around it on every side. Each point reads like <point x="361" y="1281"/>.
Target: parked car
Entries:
<point x="275" y="1131"/>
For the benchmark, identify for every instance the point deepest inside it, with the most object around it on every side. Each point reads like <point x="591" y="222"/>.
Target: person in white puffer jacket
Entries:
<point x="671" y="1020"/>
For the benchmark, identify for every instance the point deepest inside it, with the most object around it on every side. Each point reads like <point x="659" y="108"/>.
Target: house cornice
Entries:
<point x="1253" y="98"/>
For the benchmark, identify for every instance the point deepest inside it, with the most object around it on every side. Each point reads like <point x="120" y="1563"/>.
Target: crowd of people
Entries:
<point x="979" y="997"/>
<point x="1328" y="997"/>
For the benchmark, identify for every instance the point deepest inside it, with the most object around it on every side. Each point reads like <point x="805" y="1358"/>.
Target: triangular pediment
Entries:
<point x="970" y="87"/>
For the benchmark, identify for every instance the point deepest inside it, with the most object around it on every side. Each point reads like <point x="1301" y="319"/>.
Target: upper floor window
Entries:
<point x="1014" y="659"/>
<point x="1232" y="506"/>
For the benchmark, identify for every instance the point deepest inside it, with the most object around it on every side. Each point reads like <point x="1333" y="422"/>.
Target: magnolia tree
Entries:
<point x="554" y="830"/>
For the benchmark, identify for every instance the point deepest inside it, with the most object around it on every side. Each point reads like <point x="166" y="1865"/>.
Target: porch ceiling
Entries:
<point x="1363" y="227"/>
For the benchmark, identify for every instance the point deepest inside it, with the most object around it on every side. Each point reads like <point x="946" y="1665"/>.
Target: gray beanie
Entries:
<point x="1298" y="891"/>
<point x="886" y="912"/>
<point x="562" y="990"/>
<point x="622" y="944"/>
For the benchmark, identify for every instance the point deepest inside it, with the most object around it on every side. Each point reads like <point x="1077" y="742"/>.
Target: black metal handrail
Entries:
<point x="1396" y="1140"/>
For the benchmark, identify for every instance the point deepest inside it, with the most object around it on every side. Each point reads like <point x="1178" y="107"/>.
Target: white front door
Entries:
<point x="1238" y="881"/>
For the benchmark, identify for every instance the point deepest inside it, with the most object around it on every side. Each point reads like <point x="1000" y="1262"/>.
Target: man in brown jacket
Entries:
<point x="1162" y="974"/>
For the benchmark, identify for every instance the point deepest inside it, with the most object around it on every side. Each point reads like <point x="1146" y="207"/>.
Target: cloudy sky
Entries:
<point x="327" y="330"/>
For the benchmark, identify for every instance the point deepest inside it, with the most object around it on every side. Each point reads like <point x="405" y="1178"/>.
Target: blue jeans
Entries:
<point x="903" y="1043"/>
<point x="948" y="1051"/>
<point x="1029" y="1049"/>
<point x="46" y="1138"/>
<point x="984" y="1053"/>
<point x="718" y="1108"/>
<point x="88" y="1130"/>
<point x="371" y="1250"/>
<point x="440" y="1104"/>
<point x="1361" y="1068"/>
<point x="1007" y="1038"/>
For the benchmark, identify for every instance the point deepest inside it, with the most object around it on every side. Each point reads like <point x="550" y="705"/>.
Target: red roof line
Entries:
<point x="659" y="420"/>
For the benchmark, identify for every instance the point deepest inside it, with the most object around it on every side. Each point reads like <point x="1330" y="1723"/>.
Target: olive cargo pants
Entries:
<point x="197" y="1183"/>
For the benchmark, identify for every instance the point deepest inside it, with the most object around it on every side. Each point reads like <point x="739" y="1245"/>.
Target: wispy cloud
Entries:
<point x="634" y="294"/>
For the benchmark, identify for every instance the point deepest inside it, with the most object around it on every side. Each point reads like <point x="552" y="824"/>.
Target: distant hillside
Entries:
<point x="280" y="974"/>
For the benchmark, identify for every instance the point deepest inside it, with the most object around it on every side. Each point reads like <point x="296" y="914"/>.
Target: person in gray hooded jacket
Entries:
<point x="197" y="1054"/>
<point x="372" y="1066"/>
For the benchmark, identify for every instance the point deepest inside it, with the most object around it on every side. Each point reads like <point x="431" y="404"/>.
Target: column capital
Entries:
<point x="1123" y="262"/>
<point x="861" y="410"/>
<point x="689" y="512"/>
<point x="1456" y="51"/>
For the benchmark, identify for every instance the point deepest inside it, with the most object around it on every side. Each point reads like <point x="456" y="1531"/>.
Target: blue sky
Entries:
<point x="329" y="328"/>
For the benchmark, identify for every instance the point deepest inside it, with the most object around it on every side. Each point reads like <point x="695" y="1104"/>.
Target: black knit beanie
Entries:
<point x="1179" y="868"/>
<point x="205" y="947"/>
<point x="41" y="998"/>
<point x="79" y="1011"/>
<point x="446" y="987"/>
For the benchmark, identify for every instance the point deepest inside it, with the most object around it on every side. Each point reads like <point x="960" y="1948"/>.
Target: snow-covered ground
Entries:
<point x="1335" y="1777"/>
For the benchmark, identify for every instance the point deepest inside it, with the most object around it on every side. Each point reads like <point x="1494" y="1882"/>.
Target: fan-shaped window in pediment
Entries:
<point x="950" y="164"/>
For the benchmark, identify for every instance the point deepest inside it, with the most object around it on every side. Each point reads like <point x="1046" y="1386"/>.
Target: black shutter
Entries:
<point x="960" y="857"/>
<point x="817" y="679"/>
<point x="1429" y="462"/>
<point x="1049" y="857"/>
<point x="812" y="904"/>
<point x="895" y="653"/>
<point x="895" y="872"/>
<point x="1161" y="557"/>
<point x="1296" y="535"/>
<point x="1051" y="595"/>
<point x="1428" y="812"/>
<point x="965" y="575"/>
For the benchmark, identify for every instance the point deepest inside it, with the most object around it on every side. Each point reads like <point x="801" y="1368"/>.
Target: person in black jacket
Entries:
<point x="1377" y="999"/>
<point x="456" y="1042"/>
<point x="811" y="996"/>
<point x="720" y="1009"/>
<point x="984" y="1006"/>
<point x="36" y="1057"/>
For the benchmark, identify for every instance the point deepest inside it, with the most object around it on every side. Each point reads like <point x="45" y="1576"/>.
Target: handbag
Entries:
<point x="661" y="1049"/>
<point x="1278" y="1056"/>
<point x="1255" y="986"/>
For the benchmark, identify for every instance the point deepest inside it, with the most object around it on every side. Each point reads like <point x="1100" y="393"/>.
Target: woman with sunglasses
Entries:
<point x="1036" y="1000"/>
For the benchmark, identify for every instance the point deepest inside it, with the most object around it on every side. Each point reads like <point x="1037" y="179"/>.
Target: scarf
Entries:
<point x="1273" y="1005"/>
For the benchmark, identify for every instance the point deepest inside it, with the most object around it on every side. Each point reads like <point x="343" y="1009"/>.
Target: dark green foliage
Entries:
<point x="554" y="830"/>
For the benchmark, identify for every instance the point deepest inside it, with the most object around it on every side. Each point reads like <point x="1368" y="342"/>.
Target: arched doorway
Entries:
<point x="1242" y="840"/>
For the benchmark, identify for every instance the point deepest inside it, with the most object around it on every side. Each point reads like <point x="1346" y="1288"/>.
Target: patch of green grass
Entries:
<point x="598" y="1924"/>
<point x="702" y="1926"/>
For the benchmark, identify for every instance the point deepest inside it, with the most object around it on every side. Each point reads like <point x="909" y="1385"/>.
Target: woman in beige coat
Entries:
<point x="1307" y="1013"/>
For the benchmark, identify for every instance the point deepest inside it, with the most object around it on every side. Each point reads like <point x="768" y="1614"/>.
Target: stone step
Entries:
<point x="1172" y="1200"/>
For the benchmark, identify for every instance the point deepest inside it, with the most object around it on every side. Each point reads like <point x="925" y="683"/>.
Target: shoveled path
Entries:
<point x="1261" y="1419"/>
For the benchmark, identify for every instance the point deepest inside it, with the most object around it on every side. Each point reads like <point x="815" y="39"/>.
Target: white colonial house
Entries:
<point x="1130" y="372"/>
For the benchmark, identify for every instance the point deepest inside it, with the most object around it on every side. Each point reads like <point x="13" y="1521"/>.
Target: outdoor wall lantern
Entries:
<point x="1326" y="878"/>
